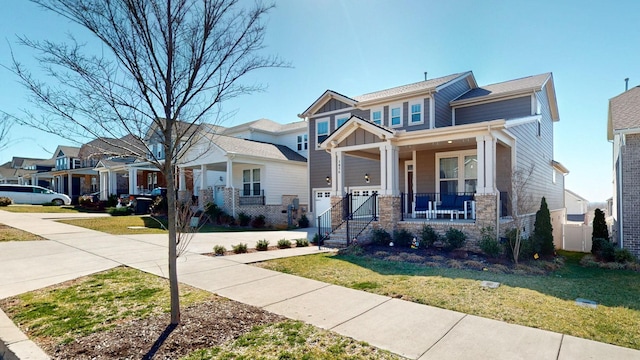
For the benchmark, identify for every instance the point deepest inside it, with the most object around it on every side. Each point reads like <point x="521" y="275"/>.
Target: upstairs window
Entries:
<point x="302" y="142"/>
<point x="341" y="119"/>
<point x="322" y="131"/>
<point x="395" y="113"/>
<point x="415" y="112"/>
<point x="376" y="116"/>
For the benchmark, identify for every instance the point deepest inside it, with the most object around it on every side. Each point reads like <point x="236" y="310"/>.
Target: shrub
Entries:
<point x="429" y="236"/>
<point x="380" y="237"/>
<point x="5" y="201"/>
<point x="302" y="242"/>
<point x="160" y="205"/>
<point x="543" y="231"/>
<point x="455" y="239"/>
<point x="402" y="238"/>
<point x="262" y="245"/>
<point x="489" y="244"/>
<point x="219" y="249"/>
<point x="316" y="239"/>
<point x="526" y="246"/>
<point x="244" y="219"/>
<point x="112" y="200"/>
<point x="604" y="250"/>
<point x="85" y="201"/>
<point x="303" y="222"/>
<point x="258" y="222"/>
<point x="284" y="244"/>
<point x="120" y="211"/>
<point x="240" y="248"/>
<point x="600" y="230"/>
<point x="624" y="256"/>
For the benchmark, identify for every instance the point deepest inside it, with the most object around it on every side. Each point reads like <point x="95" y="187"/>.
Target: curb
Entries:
<point x="15" y="345"/>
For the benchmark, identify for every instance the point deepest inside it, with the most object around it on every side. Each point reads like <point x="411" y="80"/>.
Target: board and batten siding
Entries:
<point x="332" y="105"/>
<point x="504" y="109"/>
<point x="442" y="99"/>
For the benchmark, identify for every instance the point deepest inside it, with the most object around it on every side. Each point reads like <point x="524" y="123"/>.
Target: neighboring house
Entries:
<point x="577" y="207"/>
<point x="20" y="171"/>
<point x="442" y="150"/>
<point x="623" y="128"/>
<point x="256" y="168"/>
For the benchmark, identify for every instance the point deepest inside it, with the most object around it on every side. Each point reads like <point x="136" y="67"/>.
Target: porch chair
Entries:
<point x="423" y="205"/>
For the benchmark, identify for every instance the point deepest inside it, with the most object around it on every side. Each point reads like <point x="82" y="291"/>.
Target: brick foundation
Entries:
<point x="275" y="214"/>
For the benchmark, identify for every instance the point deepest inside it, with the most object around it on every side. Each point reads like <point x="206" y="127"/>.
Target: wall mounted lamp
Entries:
<point x="366" y="178"/>
<point x="328" y="180"/>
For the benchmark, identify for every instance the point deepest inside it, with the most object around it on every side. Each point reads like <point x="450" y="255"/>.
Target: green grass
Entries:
<point x="95" y="303"/>
<point x="8" y="233"/>
<point x="40" y="209"/>
<point x="119" y="225"/>
<point x="543" y="301"/>
<point x="291" y="340"/>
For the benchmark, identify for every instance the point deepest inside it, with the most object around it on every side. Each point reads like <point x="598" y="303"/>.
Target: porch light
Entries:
<point x="449" y="142"/>
<point x="328" y="180"/>
<point x="366" y="178"/>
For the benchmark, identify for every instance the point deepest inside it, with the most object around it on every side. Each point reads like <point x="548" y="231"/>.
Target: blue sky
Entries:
<point x="359" y="46"/>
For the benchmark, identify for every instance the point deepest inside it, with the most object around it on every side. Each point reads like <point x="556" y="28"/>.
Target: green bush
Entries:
<point x="380" y="237"/>
<point x="603" y="250"/>
<point x="5" y="201"/>
<point x="244" y="219"/>
<point x="315" y="239"/>
<point x="402" y="238"/>
<point x="489" y="244"/>
<point x="624" y="256"/>
<point x="120" y="211"/>
<point x="219" y="250"/>
<point x="262" y="245"/>
<point x="258" y="222"/>
<point x="455" y="239"/>
<point x="284" y="244"/>
<point x="302" y="242"/>
<point x="303" y="222"/>
<point x="600" y="229"/>
<point x="429" y="236"/>
<point x="112" y="200"/>
<point x="240" y="248"/>
<point x="543" y="231"/>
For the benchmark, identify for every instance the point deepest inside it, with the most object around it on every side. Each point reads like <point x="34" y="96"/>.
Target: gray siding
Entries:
<point x="506" y="109"/>
<point x="332" y="105"/>
<point x="405" y="116"/>
<point x="537" y="151"/>
<point x="360" y="137"/>
<point x="442" y="99"/>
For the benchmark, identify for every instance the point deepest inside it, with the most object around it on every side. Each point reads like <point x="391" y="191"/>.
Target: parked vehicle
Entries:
<point x="30" y="194"/>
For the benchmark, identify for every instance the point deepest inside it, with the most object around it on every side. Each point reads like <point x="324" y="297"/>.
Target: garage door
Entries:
<point x="322" y="202"/>
<point x="359" y="196"/>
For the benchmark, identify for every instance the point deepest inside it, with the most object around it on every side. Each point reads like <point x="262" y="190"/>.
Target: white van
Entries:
<point x="29" y="194"/>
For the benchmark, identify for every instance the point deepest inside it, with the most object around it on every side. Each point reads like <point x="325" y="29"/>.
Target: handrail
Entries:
<point x="326" y="224"/>
<point x="340" y="213"/>
<point x="362" y="217"/>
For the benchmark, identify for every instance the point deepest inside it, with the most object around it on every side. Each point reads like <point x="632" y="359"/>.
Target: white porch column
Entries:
<point x="393" y="163"/>
<point x="113" y="186"/>
<point x="383" y="170"/>
<point x="480" y="189"/>
<point x="182" y="180"/>
<point x="104" y="186"/>
<point x="203" y="177"/>
<point x="34" y="179"/>
<point x="334" y="172"/>
<point x="133" y="180"/>
<point x="69" y="182"/>
<point x="490" y="155"/>
<point x="339" y="173"/>
<point x="229" y="173"/>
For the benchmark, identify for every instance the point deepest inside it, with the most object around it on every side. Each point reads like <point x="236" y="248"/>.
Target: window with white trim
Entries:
<point x="553" y="175"/>
<point x="415" y="112"/>
<point x="322" y="130"/>
<point x="341" y="119"/>
<point x="376" y="116"/>
<point x="302" y="142"/>
<point x="457" y="171"/>
<point x="251" y="182"/>
<point x="395" y="115"/>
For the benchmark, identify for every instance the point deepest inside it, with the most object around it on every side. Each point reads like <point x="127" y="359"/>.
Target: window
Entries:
<point x="395" y="113"/>
<point x="553" y="175"/>
<point x="539" y="127"/>
<point x="251" y="182"/>
<point x="302" y="142"/>
<point x="457" y="172"/>
<point x="76" y="164"/>
<point x="341" y="119"/>
<point x="322" y="130"/>
<point x="376" y="116"/>
<point x="61" y="163"/>
<point x="415" y="112"/>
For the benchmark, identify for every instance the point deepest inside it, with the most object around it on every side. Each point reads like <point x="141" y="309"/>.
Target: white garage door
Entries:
<point x="322" y="202"/>
<point x="359" y="196"/>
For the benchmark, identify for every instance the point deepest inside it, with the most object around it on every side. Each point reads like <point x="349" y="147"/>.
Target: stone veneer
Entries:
<point x="205" y="196"/>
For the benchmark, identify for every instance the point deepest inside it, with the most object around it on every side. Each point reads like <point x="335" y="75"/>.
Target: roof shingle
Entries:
<point x="422" y="85"/>
<point x="624" y="110"/>
<point x="506" y="87"/>
<point x="256" y="148"/>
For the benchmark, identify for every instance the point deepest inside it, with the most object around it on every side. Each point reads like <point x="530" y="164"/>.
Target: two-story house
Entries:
<point x="623" y="130"/>
<point x="443" y="150"/>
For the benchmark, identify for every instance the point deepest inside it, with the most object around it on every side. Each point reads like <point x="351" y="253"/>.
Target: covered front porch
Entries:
<point x="123" y="177"/>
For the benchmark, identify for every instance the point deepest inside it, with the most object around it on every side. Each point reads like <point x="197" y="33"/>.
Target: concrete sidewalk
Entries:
<point x="408" y="329"/>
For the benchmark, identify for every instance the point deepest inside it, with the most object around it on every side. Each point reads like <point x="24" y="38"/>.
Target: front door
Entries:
<point x="409" y="188"/>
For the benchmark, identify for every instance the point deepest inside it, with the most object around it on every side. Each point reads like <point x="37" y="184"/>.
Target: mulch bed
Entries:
<point x="202" y="326"/>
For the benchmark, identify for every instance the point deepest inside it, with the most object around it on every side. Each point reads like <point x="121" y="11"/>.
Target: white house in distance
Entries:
<point x="577" y="206"/>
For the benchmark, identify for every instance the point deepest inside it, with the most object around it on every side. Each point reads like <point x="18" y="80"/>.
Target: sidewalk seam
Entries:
<point x="362" y="313"/>
<point x="560" y="347"/>
<point x="443" y="336"/>
<point x="293" y="297"/>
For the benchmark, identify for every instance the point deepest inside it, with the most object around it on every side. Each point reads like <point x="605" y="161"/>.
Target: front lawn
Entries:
<point x="7" y="233"/>
<point x="541" y="301"/>
<point x="41" y="209"/>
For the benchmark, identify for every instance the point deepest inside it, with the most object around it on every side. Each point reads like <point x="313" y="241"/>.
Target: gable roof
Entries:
<point x="430" y="85"/>
<point x="353" y="123"/>
<point x="525" y="85"/>
<point x="68" y="151"/>
<point x="624" y="112"/>
<point x="233" y="145"/>
<point x="575" y="195"/>
<point x="266" y="125"/>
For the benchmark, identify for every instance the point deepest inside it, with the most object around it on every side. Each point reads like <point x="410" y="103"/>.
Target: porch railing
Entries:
<point x="333" y="218"/>
<point x="361" y="217"/>
<point x="420" y="205"/>
<point x="252" y="198"/>
<point x="354" y="215"/>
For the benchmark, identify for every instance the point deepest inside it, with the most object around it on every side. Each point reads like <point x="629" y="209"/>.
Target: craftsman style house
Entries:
<point x="623" y="128"/>
<point x="443" y="150"/>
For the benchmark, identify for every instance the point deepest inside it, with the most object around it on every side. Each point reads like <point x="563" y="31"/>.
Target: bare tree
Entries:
<point x="5" y="126"/>
<point x="164" y="68"/>
<point x="522" y="206"/>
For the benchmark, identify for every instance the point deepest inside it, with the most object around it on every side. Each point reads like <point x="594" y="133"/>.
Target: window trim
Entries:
<point x="252" y="182"/>
<point x="410" y="117"/>
<point x="381" y="110"/>
<point x="341" y="116"/>
<point x="460" y="154"/>
<point x="318" y="122"/>
<point x="302" y="142"/>
<point x="394" y="106"/>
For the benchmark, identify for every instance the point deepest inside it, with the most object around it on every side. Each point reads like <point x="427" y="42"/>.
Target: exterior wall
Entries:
<point x="360" y="137"/>
<point x="630" y="196"/>
<point x="575" y="204"/>
<point x="276" y="179"/>
<point x="505" y="109"/>
<point x="503" y="168"/>
<point x="332" y="105"/>
<point x="557" y="224"/>
<point x="442" y="99"/>
<point x="275" y="214"/>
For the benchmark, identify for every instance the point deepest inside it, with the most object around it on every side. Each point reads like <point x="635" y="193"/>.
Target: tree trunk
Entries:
<point x="171" y="217"/>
